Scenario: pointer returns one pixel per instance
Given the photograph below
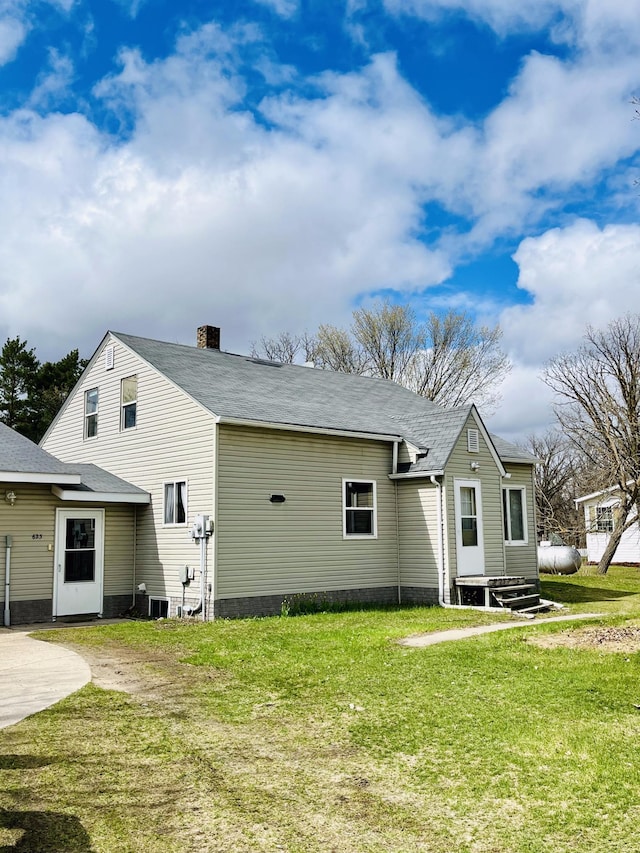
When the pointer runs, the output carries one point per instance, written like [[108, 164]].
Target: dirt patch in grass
[[624, 639]]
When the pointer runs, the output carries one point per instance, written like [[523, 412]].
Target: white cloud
[[594, 25], [283, 8], [578, 275], [53, 84], [13, 32], [526, 406], [206, 214]]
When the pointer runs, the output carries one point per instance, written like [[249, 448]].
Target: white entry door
[[469, 541], [79, 562]]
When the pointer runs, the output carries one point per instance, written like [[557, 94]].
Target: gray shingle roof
[[21, 456], [512, 452], [439, 434], [237, 386], [96, 479]]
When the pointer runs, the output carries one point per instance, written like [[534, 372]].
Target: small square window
[[91, 413], [359, 518], [128, 402], [175, 502]]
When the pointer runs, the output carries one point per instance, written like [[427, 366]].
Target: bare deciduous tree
[[560, 474], [446, 359], [599, 409], [458, 362], [285, 348]]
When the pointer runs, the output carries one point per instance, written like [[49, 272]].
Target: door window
[[468, 516], [80, 550]]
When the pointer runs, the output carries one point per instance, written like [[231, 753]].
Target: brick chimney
[[208, 337]]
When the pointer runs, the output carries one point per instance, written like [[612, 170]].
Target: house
[[599, 509], [350, 487], [66, 535]]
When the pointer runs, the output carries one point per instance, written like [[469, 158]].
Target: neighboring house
[[599, 509], [350, 487], [66, 535]]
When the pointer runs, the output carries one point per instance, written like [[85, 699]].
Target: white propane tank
[[558, 559]]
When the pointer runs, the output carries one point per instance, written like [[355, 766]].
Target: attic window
[[473, 441], [109, 357]]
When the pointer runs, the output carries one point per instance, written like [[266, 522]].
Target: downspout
[[394, 470], [214, 535], [7, 581], [441, 566], [135, 552]]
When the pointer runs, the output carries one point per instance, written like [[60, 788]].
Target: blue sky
[[268, 164]]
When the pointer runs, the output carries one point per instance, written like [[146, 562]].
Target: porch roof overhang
[[86, 495], [414, 475], [40, 478], [99, 486]]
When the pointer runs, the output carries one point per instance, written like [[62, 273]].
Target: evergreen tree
[[18, 369]]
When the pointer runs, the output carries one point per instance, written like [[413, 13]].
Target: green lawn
[[320, 733]]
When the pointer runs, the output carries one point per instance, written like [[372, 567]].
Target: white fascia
[[100, 497], [47, 479]]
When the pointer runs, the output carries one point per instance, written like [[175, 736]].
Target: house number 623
[[36, 535]]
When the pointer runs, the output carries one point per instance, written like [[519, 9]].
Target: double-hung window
[[175, 502], [515, 515], [359, 508], [128, 402], [91, 413], [604, 519]]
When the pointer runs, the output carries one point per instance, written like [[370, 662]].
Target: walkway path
[[461, 633], [35, 675]]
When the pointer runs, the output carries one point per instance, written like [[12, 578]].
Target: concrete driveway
[[35, 675]]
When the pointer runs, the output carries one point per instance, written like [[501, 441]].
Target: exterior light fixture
[[10, 497], [474, 466]]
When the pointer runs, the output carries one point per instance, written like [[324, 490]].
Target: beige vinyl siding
[[31, 524], [488, 474], [172, 441], [31, 560], [418, 533], [298, 546], [523, 559], [119, 539]]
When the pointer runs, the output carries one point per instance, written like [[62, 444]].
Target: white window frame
[[604, 520], [88, 414], [373, 509], [160, 598], [124, 405], [506, 509], [175, 483]]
